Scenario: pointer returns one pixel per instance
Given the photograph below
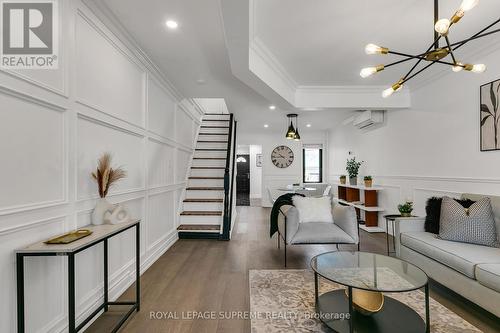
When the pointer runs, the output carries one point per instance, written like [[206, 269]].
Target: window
[[312, 164]]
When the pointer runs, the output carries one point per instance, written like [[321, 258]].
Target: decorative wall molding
[[43, 219]]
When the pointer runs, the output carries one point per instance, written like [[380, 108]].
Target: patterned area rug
[[283, 301]]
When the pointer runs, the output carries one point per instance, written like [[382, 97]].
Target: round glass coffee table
[[374, 273]]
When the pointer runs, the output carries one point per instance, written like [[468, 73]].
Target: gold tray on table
[[69, 237]]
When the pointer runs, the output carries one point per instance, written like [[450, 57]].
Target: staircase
[[207, 206]]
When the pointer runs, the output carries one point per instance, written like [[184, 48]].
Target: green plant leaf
[[485, 108], [493, 98], [483, 121], [498, 88]]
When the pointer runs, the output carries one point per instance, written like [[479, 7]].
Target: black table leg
[[71, 294], [351, 319], [387, 234], [427, 310], [20, 292], [138, 266], [106, 291], [316, 296]]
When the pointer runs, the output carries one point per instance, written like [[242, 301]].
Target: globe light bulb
[[478, 68], [388, 92], [458, 68], [442, 26], [468, 5], [368, 71], [375, 49]]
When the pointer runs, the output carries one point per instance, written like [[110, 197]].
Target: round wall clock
[[282, 157]]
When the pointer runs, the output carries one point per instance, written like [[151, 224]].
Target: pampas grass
[[105, 175]]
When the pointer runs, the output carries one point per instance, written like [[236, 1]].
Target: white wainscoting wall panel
[[106, 96]]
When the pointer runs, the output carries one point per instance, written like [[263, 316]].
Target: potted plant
[[343, 179], [352, 168], [368, 181], [406, 209]]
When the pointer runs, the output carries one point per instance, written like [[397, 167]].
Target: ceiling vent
[[367, 119]]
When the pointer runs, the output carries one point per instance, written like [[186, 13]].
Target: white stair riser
[[215, 123], [195, 194], [209, 163], [203, 206], [207, 172], [210, 153], [206, 182], [218, 117], [214, 130], [213, 137], [211, 145], [189, 219]]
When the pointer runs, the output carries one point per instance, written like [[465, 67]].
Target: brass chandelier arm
[[420, 60], [416, 57]]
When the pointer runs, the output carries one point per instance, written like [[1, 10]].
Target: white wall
[[430, 149], [106, 96], [272, 176], [255, 173]]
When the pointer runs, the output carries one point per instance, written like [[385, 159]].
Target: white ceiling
[[317, 42], [321, 42]]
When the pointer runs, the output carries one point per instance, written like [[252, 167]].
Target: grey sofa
[[472, 271], [343, 230]]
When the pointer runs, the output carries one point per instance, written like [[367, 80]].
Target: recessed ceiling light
[[308, 125], [272, 107], [201, 81], [266, 125], [172, 24]]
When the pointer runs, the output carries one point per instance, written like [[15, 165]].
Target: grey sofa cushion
[[320, 232], [489, 275], [495, 205], [475, 224], [461, 257]]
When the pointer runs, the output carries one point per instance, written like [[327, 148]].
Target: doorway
[[243, 180]]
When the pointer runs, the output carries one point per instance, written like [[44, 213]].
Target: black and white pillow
[[475, 224]]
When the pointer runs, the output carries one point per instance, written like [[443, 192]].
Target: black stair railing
[[229, 180]]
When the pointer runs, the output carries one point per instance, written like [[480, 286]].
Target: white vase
[[101, 207]]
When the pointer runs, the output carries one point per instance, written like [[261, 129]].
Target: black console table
[[100, 233]]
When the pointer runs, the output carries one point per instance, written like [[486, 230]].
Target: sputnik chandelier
[[435, 53]]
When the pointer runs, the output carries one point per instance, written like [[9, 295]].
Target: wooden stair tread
[[204, 200], [201, 213], [215, 119], [209, 158], [216, 114], [205, 126], [204, 188], [208, 141], [206, 177], [208, 149], [208, 168], [214, 134], [201, 227]]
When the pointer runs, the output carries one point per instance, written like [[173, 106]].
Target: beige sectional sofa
[[472, 271]]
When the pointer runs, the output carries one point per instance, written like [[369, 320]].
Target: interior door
[[243, 175]]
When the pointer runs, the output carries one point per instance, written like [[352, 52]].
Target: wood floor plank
[[211, 275]]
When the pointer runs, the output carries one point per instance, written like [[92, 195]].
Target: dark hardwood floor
[[210, 275]]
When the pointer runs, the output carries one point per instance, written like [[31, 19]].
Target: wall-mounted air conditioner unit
[[367, 119]]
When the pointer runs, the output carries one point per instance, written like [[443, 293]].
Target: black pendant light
[[293, 132], [297, 135], [290, 133]]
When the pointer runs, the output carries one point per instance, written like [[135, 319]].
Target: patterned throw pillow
[[475, 224]]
